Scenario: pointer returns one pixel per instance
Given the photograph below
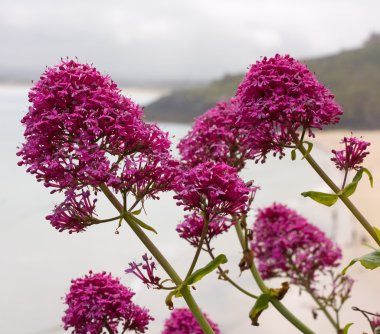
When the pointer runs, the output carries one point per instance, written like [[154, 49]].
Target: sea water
[[37, 262]]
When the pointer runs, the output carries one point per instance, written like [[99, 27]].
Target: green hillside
[[353, 76]]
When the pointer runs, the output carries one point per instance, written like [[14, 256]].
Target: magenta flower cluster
[[182, 321], [145, 272], [216, 137], [280, 98], [191, 228], [75, 213], [212, 189], [353, 154], [375, 323], [82, 132], [98, 301], [285, 244]]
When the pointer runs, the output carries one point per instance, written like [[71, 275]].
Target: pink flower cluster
[[214, 189], [375, 323], [191, 228], [285, 244], [82, 132], [216, 137], [98, 301], [353, 154], [148, 266], [182, 321], [75, 213], [279, 97]]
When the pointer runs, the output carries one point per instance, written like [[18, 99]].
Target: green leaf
[[322, 198], [369, 261], [377, 231], [140, 223], [345, 329], [365, 170], [169, 301], [293, 154], [210, 267], [309, 148], [280, 292], [261, 304], [351, 188], [136, 212]]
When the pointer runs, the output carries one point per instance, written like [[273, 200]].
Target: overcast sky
[[153, 40]]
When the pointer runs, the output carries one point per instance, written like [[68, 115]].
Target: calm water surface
[[37, 262]]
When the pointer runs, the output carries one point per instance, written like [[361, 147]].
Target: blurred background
[[177, 59]]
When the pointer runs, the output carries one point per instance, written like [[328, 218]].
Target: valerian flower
[[375, 324], [216, 137], [98, 301], [75, 213], [182, 321], [213, 189], [80, 131], [145, 272], [353, 154], [286, 245], [191, 228], [280, 98]]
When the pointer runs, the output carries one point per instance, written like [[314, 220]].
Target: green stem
[[362, 220], [310, 291], [323, 309], [100, 221], [200, 244], [275, 302], [161, 260], [226, 277]]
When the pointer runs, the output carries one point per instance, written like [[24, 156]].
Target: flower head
[[216, 137], [279, 98], [99, 300], [215, 189], [191, 228], [80, 131], [149, 266], [75, 213], [353, 154], [182, 321], [285, 244]]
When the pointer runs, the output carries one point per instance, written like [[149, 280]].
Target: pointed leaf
[[261, 304], [210, 267], [365, 170], [169, 301], [351, 188], [140, 223], [136, 212], [345, 329], [293, 154], [322, 198], [369, 261], [309, 148]]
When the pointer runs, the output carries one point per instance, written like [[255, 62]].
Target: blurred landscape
[[353, 76]]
